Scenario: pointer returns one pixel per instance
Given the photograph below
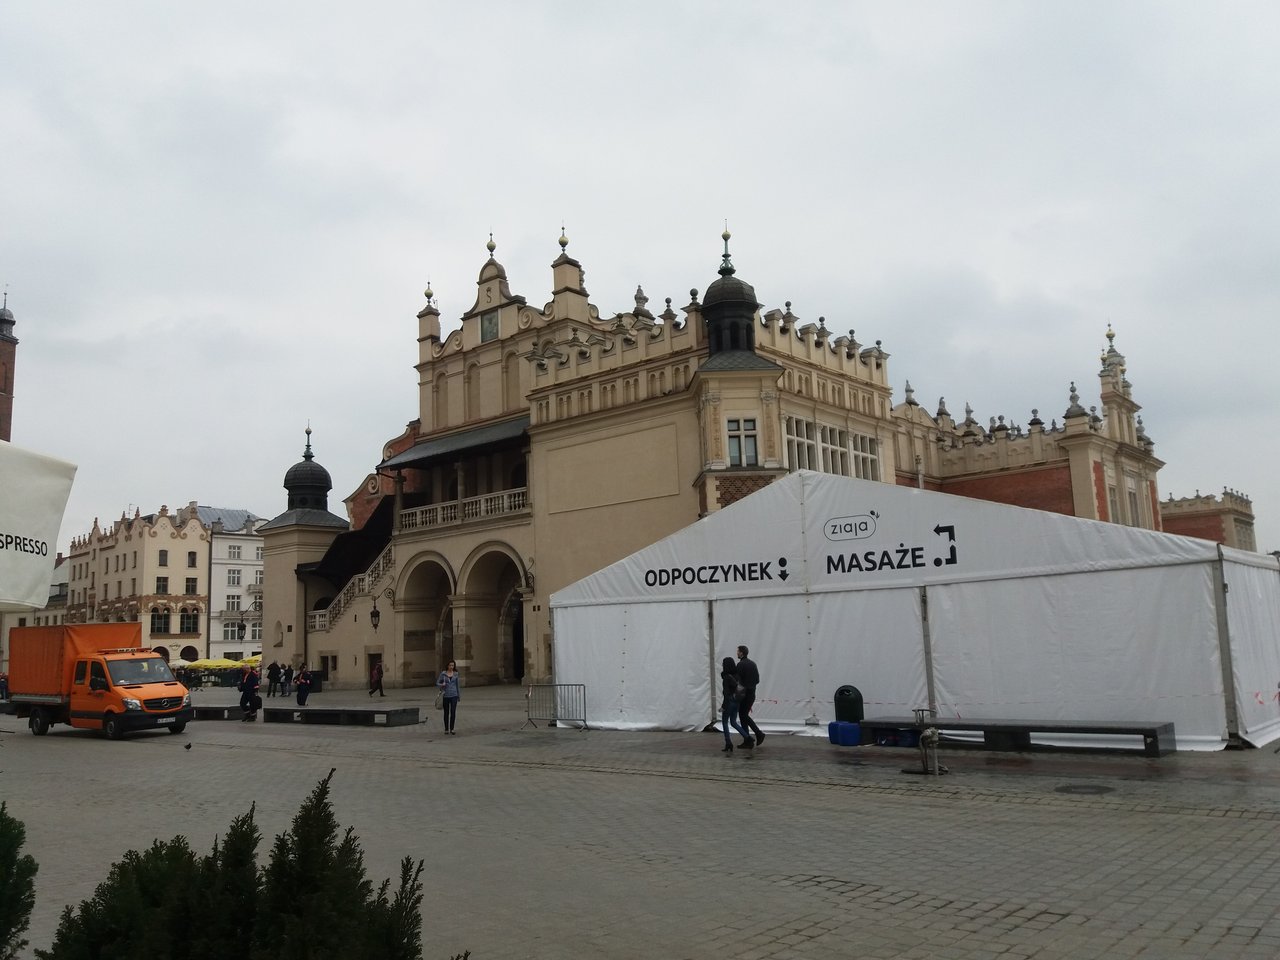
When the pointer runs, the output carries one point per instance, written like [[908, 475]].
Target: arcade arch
[[488, 615]]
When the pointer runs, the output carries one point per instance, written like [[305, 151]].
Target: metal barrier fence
[[555, 703]]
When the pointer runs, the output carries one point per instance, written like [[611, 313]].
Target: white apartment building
[[235, 587]]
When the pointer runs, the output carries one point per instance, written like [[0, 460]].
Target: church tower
[[8, 356]]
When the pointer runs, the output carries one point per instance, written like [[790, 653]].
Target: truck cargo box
[[41, 658]]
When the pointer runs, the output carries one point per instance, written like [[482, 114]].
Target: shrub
[[17, 885], [313, 900]]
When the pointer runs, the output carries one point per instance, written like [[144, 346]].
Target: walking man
[[375, 679], [273, 679], [749, 677], [249, 699]]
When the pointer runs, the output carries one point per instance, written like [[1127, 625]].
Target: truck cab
[[125, 690]]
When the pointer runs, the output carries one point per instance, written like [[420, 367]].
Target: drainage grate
[[1084, 789]]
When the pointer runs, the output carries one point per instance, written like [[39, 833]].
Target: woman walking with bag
[[448, 684], [729, 706]]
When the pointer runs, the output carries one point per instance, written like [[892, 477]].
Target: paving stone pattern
[[556, 843]]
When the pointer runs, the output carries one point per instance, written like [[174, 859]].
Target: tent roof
[[814, 532]]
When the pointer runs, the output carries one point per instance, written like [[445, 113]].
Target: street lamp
[[375, 615]]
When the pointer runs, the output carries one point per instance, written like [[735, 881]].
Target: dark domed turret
[[6, 319], [308, 483], [729, 307]]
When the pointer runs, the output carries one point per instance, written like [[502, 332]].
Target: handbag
[[439, 699]]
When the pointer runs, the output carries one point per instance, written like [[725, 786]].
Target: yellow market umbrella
[[218, 663], [254, 661]]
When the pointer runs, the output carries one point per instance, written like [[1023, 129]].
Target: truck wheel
[[178, 727], [39, 722], [111, 727]]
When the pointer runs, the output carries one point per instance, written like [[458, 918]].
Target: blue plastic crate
[[850, 734]]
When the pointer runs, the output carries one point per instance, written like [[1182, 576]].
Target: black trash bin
[[849, 704]]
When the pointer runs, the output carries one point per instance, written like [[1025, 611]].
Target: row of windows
[[810, 446], [191, 588], [117, 562], [188, 620], [231, 631], [234, 574], [828, 449]]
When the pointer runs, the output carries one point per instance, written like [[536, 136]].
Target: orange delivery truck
[[96, 676]]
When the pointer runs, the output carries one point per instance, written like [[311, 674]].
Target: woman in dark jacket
[[303, 684], [729, 706]]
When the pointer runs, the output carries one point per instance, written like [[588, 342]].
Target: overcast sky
[[219, 220]]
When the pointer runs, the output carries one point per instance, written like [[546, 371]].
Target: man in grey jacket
[[749, 677]]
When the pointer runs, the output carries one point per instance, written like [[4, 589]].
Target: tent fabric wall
[[806, 648], [1035, 649], [645, 665], [1253, 613], [1030, 614], [871, 640]]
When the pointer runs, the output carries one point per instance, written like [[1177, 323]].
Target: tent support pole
[[711, 667], [928, 650], [1224, 648]]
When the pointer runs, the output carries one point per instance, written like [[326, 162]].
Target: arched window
[[188, 620]]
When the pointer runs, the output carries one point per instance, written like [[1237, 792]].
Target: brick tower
[[8, 356]]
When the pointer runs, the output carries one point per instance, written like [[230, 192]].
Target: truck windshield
[[150, 670]]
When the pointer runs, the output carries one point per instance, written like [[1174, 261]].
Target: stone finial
[[491, 246], [1035, 420], [1075, 410], [942, 408], [564, 241], [911, 395]]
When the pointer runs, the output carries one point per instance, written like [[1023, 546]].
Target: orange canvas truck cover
[[41, 658]]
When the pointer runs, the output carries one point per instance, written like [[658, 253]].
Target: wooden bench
[[1157, 738], [346, 716]]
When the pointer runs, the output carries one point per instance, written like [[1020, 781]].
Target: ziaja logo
[[851, 528]]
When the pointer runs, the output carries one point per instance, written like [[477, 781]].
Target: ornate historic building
[[1098, 464], [551, 441], [157, 569]]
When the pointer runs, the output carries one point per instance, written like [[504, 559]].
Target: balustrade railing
[[503, 503]]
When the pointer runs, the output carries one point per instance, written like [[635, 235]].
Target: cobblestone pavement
[[554, 843]]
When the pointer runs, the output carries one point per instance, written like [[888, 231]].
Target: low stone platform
[[347, 716], [218, 713]]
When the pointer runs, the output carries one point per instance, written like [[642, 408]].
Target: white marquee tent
[[920, 598]]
